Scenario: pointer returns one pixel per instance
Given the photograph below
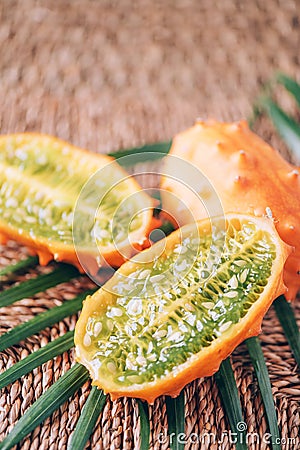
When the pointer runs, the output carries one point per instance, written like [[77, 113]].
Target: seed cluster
[[156, 324]]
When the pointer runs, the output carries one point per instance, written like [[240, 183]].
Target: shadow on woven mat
[[107, 75]]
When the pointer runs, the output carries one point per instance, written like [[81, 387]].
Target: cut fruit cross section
[[179, 308], [41, 178]]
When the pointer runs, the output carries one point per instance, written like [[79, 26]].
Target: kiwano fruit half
[[175, 311], [41, 179]]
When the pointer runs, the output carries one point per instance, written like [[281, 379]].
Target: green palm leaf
[[88, 418], [44, 406], [288, 322], [147, 152], [260, 367], [35, 359], [39, 284], [231, 402], [144, 424], [176, 421], [287, 127], [20, 265], [43, 320], [291, 86]]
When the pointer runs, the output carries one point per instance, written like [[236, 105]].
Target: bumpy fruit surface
[[248, 175], [41, 178]]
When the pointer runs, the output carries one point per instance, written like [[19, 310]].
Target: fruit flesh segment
[[40, 180], [146, 325]]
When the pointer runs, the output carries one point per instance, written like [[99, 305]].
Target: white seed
[[160, 334], [87, 340], [208, 305], [180, 249], [134, 378], [11, 203], [158, 290], [233, 282], [130, 365], [116, 312], [60, 203], [182, 266], [240, 263], [39, 196], [269, 212], [199, 325], [156, 278], [30, 219], [111, 367], [144, 274], [175, 336], [190, 319], [97, 328], [225, 326], [230, 294], [141, 361], [150, 347], [103, 234], [243, 276], [134, 307], [42, 159]]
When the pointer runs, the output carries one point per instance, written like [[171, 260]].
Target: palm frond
[[35, 359], [290, 85], [20, 265], [43, 320], [39, 284], [147, 152], [287, 127], [261, 371], [176, 421], [288, 322], [144, 424], [231, 403], [88, 418]]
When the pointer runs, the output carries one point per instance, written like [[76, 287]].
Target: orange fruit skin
[[249, 177], [207, 361], [47, 250]]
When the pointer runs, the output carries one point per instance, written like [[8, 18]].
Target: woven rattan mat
[[106, 75]]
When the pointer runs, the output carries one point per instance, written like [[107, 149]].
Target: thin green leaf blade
[[176, 421], [259, 364], [291, 86], [35, 359], [231, 402], [43, 320], [147, 152], [20, 265], [39, 284], [288, 322], [286, 126], [45, 405], [88, 418], [144, 424]]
